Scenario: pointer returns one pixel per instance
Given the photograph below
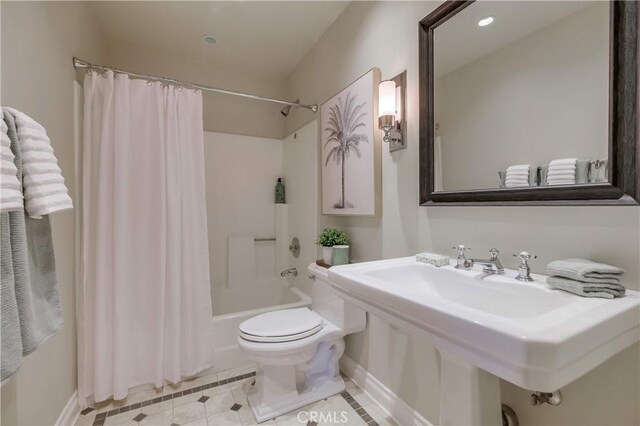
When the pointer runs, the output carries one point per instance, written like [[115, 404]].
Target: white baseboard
[[70, 413], [395, 407]]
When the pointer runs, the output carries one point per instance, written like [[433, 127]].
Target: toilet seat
[[281, 326]]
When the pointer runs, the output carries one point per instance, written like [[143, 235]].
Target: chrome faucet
[[491, 266], [289, 272]]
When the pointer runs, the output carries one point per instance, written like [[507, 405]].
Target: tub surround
[[240, 172]]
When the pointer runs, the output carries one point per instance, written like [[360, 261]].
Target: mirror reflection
[[521, 95]]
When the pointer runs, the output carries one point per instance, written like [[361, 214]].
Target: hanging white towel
[[44, 188], [10, 188]]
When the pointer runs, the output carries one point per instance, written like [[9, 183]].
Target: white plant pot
[[327, 255]]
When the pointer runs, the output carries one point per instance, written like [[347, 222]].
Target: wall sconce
[[391, 107]]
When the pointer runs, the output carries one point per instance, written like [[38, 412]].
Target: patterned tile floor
[[220, 399]]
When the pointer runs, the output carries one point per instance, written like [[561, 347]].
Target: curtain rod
[[80, 64]]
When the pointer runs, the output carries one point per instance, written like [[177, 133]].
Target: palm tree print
[[345, 119]]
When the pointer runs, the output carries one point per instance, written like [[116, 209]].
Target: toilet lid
[[281, 326]]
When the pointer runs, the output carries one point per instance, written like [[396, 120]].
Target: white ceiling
[[460, 41], [259, 36]]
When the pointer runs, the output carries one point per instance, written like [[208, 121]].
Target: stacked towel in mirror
[[517, 176], [562, 172], [586, 278]]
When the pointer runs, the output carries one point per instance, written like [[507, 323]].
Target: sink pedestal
[[468, 394]]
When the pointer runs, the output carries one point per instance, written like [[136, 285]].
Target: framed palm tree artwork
[[349, 149]]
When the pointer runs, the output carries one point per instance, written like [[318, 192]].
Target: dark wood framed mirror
[[619, 131]]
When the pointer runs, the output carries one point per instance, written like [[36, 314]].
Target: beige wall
[[38, 41], [385, 35], [222, 113], [542, 97]]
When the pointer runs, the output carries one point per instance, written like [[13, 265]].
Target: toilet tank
[[326, 303]]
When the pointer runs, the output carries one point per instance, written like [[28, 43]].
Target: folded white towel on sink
[[581, 288], [586, 271]]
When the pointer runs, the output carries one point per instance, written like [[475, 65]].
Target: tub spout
[[289, 272]]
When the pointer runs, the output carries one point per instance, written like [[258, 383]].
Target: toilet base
[[292, 401]]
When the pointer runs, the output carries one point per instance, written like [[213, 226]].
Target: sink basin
[[526, 333]]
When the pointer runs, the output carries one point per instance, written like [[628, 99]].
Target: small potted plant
[[327, 239]]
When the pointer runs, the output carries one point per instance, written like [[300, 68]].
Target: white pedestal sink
[[490, 327]]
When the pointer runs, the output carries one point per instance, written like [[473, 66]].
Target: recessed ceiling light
[[485, 21], [209, 39]]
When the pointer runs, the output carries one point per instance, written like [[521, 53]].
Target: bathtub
[[232, 306]]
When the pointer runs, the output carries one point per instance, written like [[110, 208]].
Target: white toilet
[[297, 350]]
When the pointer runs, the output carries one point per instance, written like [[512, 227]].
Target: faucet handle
[[461, 250], [525, 256], [524, 270], [494, 253], [462, 262]]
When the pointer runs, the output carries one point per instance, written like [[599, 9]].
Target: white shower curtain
[[145, 302]]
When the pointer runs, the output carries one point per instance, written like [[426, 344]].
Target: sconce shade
[[399, 102], [387, 98]]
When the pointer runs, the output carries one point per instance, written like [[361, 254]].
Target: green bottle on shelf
[[280, 192]]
